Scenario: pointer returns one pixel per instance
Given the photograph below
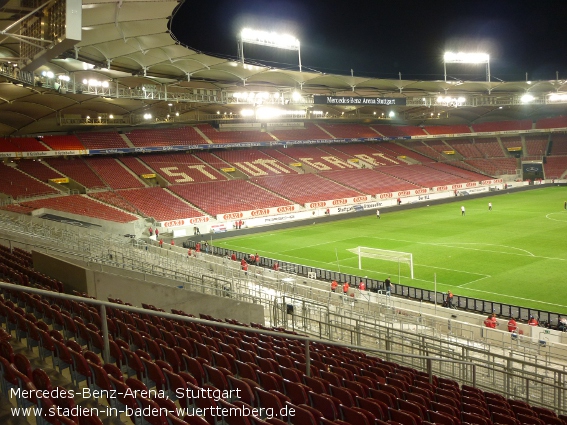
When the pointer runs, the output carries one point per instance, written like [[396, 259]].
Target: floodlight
[[247, 112], [64, 77], [451, 101], [273, 39], [461, 57], [527, 98], [147, 116], [556, 97], [470, 58], [392, 114], [270, 39], [296, 96], [111, 116]]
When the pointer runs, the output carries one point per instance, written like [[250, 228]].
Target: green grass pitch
[[516, 253]]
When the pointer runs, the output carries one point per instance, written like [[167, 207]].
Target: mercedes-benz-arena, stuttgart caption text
[[107, 411]]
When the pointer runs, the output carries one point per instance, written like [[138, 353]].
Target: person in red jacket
[[512, 325], [334, 285], [245, 267], [276, 266], [532, 321], [160, 242], [490, 321], [362, 286], [198, 247], [345, 288], [233, 257]]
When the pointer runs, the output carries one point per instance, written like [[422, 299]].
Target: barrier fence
[[475, 305]]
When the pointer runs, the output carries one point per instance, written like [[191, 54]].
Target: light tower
[[470, 58], [270, 39]]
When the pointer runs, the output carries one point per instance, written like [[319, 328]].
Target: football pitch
[[515, 254]]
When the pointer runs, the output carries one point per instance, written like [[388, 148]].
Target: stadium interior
[[110, 127]]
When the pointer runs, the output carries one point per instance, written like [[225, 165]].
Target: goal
[[385, 255]]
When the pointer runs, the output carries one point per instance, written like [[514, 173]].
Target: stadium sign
[[261, 212], [357, 100]]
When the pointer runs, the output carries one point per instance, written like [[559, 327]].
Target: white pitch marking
[[518, 298], [448, 244], [554, 219]]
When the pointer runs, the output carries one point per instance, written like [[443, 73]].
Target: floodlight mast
[[472, 58], [270, 39]]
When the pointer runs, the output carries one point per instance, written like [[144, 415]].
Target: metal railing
[[515, 378]]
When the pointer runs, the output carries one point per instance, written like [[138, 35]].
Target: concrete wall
[[105, 281], [72, 276]]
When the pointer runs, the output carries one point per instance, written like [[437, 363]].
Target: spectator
[[362, 286], [334, 285], [233, 256], [198, 247], [157, 232], [276, 266], [160, 242], [562, 324], [151, 231], [257, 259], [533, 321], [172, 243], [189, 252], [207, 247], [345, 288], [490, 321], [388, 286], [449, 299], [245, 267], [512, 325]]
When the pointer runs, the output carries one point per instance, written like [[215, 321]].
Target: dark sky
[[381, 38]]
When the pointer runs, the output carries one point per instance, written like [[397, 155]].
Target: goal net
[[385, 255]]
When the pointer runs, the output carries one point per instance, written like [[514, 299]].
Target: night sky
[[381, 38]]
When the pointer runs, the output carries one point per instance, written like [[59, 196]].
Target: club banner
[[356, 100]]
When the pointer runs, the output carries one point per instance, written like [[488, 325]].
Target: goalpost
[[384, 254]]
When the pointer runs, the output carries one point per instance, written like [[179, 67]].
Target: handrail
[[104, 304]]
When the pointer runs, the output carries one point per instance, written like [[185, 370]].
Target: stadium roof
[[128, 45]]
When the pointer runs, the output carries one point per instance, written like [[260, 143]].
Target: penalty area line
[[517, 298]]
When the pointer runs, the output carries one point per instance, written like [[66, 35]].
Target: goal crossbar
[[383, 254]]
